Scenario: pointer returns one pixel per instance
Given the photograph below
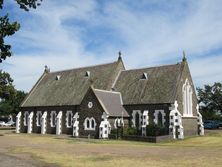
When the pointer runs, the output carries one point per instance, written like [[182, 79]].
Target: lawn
[[70, 152]]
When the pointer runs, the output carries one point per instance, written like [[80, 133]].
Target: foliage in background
[[11, 105], [210, 101], [130, 131], [10, 98], [8, 28], [6, 87]]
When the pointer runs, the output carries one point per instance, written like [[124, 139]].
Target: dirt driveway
[[12, 161]]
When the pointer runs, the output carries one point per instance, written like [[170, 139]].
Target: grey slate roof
[[159, 87], [111, 102], [71, 86]]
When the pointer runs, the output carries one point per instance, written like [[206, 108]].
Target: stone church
[[91, 101]]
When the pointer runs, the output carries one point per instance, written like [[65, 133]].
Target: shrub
[[156, 130], [130, 131]]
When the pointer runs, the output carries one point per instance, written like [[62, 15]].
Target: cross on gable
[[104, 116], [175, 105], [76, 116]]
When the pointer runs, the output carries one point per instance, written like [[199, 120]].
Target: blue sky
[[68, 34]]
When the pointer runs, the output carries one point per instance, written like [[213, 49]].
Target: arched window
[[187, 99], [87, 124], [90, 124], [118, 123], [38, 118], [69, 118], [160, 119], [53, 118], [137, 120], [26, 115]]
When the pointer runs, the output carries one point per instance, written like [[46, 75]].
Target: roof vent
[[87, 74], [144, 76], [58, 77]]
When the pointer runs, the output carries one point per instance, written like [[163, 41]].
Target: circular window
[[90, 104]]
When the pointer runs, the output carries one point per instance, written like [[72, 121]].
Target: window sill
[[188, 116], [90, 129]]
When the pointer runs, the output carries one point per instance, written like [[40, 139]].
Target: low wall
[[7, 128], [153, 139]]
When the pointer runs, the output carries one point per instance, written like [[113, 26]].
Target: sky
[[68, 34]]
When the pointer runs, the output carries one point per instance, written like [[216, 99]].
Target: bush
[[156, 130], [116, 133], [113, 131], [130, 131]]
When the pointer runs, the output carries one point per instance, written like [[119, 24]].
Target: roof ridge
[[152, 67], [100, 101], [107, 91], [77, 68]]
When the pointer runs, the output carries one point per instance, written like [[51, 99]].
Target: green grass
[[71, 152]]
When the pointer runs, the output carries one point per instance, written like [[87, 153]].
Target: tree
[[10, 98], [8, 29], [12, 104], [6, 87], [210, 100]]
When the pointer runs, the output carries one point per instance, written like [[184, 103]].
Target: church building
[[92, 101]]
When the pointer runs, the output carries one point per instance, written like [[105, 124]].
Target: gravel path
[[18, 160], [12, 161]]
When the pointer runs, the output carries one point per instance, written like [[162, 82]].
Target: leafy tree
[[8, 28], [6, 87], [10, 98], [210, 99], [12, 104]]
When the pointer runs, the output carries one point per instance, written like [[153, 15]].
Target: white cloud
[[206, 70], [150, 36]]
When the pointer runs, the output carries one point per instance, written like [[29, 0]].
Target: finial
[[120, 54], [184, 56], [47, 69]]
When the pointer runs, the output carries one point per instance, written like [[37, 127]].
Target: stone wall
[[85, 111], [151, 108], [112, 121], [153, 139], [190, 126], [49, 129]]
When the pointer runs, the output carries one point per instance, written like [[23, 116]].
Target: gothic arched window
[[90, 124], [26, 115], [160, 119], [69, 118], [53, 118], [187, 99], [38, 118]]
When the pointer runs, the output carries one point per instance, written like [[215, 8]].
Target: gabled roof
[[111, 102], [72, 85], [159, 87]]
